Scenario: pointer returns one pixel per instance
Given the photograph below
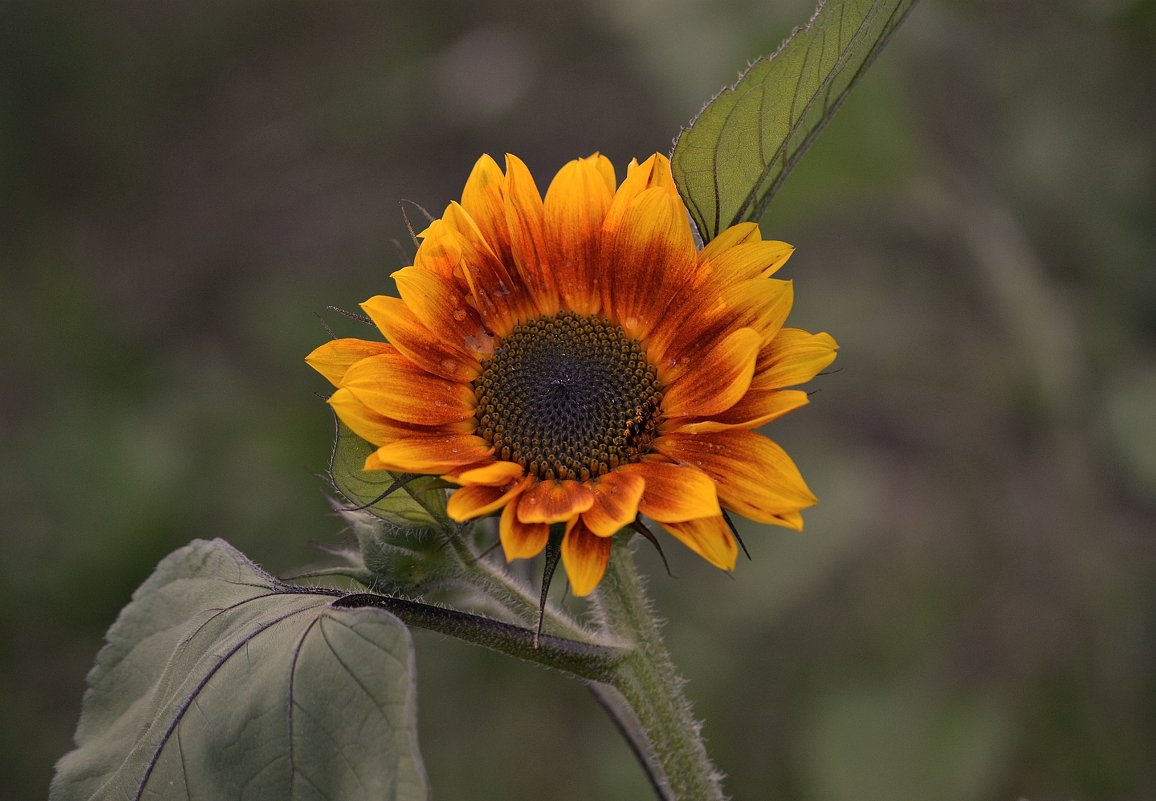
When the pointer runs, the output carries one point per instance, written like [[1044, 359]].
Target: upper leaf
[[734, 156], [218, 681], [414, 504]]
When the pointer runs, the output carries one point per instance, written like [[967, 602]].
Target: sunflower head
[[576, 360]]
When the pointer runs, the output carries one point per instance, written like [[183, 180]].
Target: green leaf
[[218, 681], [735, 155], [416, 504]]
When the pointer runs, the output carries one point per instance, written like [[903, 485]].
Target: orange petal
[[439, 305], [377, 428], [493, 474], [585, 556], [616, 497], [718, 378], [794, 357], [554, 501], [675, 492], [336, 356], [438, 453], [647, 255], [524, 216], [758, 407], [428, 351], [468, 503], [391, 385], [575, 207], [521, 540], [755, 477], [709, 537]]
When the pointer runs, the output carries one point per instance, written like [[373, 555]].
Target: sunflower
[[577, 360]]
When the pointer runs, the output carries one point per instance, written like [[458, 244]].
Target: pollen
[[568, 397]]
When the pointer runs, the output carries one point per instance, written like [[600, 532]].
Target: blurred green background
[[971, 613]]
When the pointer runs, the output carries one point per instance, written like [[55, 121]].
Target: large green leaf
[[218, 681], [414, 504], [734, 156]]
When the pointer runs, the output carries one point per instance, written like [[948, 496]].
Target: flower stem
[[648, 681]]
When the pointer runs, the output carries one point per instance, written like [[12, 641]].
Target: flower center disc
[[568, 396]]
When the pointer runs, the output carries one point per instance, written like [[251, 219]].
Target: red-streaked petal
[[709, 537], [647, 255], [616, 497], [521, 540], [758, 407], [755, 477], [524, 216], [675, 492], [793, 358], [585, 556], [493, 474], [437, 453], [439, 305], [575, 206], [468, 503], [717, 378], [391, 385], [498, 293], [336, 356], [554, 501], [428, 351]]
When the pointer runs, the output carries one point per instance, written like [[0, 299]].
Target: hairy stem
[[649, 683]]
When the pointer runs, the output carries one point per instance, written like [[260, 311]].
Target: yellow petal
[[794, 357], [757, 259], [675, 492], [755, 477], [484, 201], [758, 407], [336, 356], [709, 537]]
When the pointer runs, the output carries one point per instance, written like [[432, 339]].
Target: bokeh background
[[971, 614]]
